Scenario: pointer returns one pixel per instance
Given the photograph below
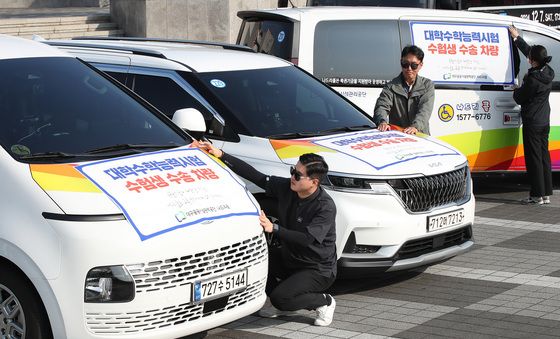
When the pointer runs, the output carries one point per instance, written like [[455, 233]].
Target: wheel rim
[[12, 319]]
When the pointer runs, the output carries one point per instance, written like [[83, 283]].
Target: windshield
[[60, 106], [273, 101]]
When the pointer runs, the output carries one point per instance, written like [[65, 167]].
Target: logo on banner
[[446, 112], [486, 105]]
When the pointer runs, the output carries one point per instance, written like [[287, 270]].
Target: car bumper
[[415, 253], [164, 270]]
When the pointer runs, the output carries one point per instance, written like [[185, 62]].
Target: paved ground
[[508, 286]]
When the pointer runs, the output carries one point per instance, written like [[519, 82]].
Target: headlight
[[359, 185], [347, 182], [108, 284]]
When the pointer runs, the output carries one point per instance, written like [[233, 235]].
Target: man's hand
[[410, 130], [208, 147], [383, 126], [265, 222], [513, 32]]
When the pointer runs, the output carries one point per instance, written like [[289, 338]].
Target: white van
[[402, 201], [468, 55], [111, 225]]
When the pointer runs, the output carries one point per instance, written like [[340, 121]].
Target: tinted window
[[356, 53], [61, 105], [165, 94], [120, 77], [270, 37], [552, 47], [391, 3], [281, 100]]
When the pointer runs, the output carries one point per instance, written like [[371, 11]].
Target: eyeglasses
[[406, 64], [296, 174]]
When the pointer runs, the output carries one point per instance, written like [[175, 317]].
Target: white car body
[[374, 219], [57, 226], [356, 50]]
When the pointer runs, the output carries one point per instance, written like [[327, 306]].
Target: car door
[[534, 35], [473, 70], [167, 91]]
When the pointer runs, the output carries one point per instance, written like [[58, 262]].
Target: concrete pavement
[[508, 286]]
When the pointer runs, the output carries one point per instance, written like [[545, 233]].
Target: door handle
[[506, 104]]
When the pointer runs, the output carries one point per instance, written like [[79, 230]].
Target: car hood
[[373, 153], [156, 192]]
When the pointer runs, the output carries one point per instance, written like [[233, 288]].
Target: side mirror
[[190, 119]]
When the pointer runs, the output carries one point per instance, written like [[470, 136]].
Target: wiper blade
[[293, 135], [346, 129], [122, 147], [49, 155]]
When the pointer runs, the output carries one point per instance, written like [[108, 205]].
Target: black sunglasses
[[406, 64], [296, 174]]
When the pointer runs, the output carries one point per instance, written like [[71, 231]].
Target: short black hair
[[413, 49], [539, 54], [315, 165]]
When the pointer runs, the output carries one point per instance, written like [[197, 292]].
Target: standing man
[[407, 101], [305, 264]]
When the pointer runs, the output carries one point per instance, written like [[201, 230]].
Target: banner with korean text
[[384, 149], [464, 53], [162, 191]]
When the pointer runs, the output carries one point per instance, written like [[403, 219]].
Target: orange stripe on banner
[[279, 144], [67, 170]]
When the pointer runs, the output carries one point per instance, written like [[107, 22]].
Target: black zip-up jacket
[[307, 230], [534, 92]]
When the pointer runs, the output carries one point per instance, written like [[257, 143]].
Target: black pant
[[292, 290], [537, 159]]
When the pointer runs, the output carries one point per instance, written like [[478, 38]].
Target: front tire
[[22, 314]]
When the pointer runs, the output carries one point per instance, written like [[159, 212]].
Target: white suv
[[402, 201]]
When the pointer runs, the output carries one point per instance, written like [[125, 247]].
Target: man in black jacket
[[533, 96], [305, 264]]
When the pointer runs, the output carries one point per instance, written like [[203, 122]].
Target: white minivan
[[468, 55], [111, 225], [402, 201]]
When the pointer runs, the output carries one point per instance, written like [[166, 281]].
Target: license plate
[[444, 220], [216, 287]]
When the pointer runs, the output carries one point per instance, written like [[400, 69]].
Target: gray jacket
[[395, 106]]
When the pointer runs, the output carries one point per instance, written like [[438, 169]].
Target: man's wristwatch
[[275, 228]]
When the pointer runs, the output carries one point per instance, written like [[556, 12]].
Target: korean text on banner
[[464, 53], [384, 149], [162, 191]]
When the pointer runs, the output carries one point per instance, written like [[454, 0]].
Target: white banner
[[384, 149], [464, 53], [162, 191]]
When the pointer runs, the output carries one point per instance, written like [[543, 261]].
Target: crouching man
[[304, 266]]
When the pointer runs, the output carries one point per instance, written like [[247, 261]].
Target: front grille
[[172, 272], [415, 248], [149, 320], [424, 193]]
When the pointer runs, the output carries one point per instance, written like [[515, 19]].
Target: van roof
[[195, 56], [369, 12], [16, 48]]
